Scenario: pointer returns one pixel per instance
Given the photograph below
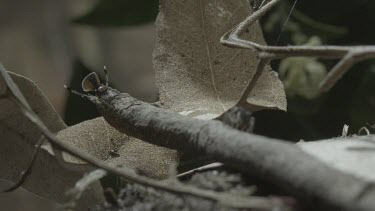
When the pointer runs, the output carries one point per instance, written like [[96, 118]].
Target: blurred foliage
[[351, 101], [357, 16], [302, 75], [341, 22], [300, 26], [117, 13]]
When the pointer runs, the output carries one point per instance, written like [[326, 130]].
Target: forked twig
[[349, 55]]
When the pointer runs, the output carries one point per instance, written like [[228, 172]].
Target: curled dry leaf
[[37, 101], [99, 139], [194, 72], [18, 137], [354, 155]]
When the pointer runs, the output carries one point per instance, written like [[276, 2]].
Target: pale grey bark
[[278, 162]]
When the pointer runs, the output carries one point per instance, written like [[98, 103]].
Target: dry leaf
[[354, 155], [99, 139], [37, 101], [198, 75], [18, 137]]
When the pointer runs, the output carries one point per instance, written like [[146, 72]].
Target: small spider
[[114, 153], [91, 83]]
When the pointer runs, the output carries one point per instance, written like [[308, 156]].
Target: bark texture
[[279, 162]]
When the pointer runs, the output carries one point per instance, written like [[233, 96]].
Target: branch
[[233, 39], [252, 202], [279, 162]]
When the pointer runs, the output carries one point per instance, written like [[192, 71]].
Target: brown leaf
[[198, 75], [37, 101], [18, 137], [99, 139]]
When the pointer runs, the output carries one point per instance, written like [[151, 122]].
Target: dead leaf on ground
[[101, 140], [18, 137], [354, 155], [197, 75]]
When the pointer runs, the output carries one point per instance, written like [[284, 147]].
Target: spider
[[91, 83]]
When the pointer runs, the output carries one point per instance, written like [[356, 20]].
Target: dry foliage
[[196, 74]]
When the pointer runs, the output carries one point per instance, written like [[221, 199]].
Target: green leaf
[[116, 13]]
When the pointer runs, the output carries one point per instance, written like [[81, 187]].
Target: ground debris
[[136, 197]]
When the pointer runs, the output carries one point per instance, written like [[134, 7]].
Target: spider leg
[[89, 97], [86, 96]]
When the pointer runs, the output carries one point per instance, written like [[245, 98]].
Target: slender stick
[[27, 172], [207, 167], [262, 62]]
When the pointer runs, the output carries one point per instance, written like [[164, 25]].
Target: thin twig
[[208, 167], [27, 172], [262, 62]]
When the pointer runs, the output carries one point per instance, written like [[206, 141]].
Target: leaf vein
[[209, 56]]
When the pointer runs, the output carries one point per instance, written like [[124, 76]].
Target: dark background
[[352, 100]]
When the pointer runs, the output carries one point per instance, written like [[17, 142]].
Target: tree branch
[[252, 202], [279, 162]]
